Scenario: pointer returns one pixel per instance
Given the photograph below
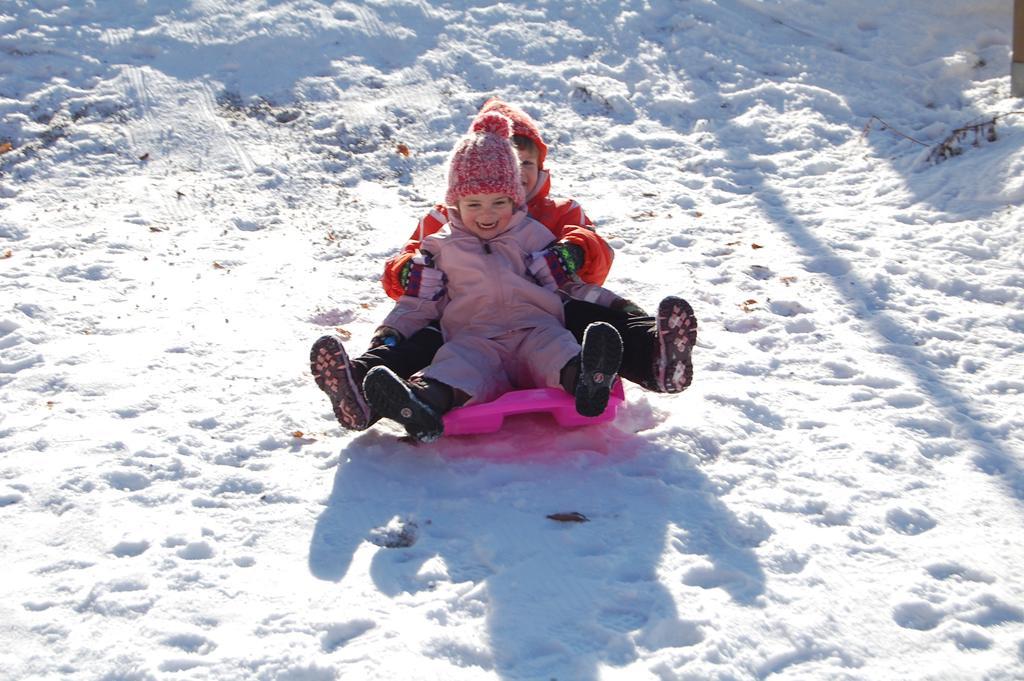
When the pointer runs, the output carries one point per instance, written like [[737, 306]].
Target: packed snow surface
[[192, 193]]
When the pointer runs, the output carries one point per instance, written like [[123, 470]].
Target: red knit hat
[[522, 124], [484, 162]]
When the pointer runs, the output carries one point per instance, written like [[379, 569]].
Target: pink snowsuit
[[502, 330]]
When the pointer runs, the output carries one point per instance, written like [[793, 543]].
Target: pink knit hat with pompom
[[485, 162]]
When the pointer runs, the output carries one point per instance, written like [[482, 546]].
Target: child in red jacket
[[657, 350]]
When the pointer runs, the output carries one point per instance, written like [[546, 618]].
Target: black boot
[[418, 405], [596, 368]]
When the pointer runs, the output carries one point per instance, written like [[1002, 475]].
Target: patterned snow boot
[[599, 361], [336, 376], [677, 334]]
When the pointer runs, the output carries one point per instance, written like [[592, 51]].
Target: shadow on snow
[[556, 599]]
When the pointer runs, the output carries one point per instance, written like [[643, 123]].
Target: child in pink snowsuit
[[502, 329]]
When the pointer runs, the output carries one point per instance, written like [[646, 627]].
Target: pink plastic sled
[[489, 417]]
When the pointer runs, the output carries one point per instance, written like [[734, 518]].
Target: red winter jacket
[[563, 217]]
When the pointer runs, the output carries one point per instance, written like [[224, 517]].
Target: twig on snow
[[951, 146], [886, 126]]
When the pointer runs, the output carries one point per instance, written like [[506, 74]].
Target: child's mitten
[[422, 280], [556, 265]]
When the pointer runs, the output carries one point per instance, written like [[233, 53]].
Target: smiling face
[[486, 215], [529, 169]]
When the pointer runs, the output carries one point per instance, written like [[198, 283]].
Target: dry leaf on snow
[[573, 517]]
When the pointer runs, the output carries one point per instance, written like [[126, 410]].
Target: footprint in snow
[[189, 550], [127, 481], [910, 522], [919, 615], [983, 609], [337, 636], [955, 571], [124, 597], [904, 400], [196, 550], [988, 610], [971, 639], [130, 548], [190, 643]]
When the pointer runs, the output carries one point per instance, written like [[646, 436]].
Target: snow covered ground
[[191, 193]]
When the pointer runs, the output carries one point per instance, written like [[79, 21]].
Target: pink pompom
[[484, 162], [494, 123]]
